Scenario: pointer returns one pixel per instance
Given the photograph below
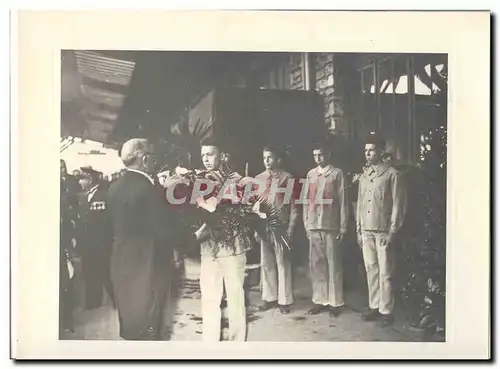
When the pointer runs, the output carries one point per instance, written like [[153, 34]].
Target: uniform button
[[368, 211], [369, 200]]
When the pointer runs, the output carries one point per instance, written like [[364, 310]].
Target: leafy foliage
[[424, 286]]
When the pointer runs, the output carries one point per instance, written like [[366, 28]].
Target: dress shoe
[[285, 309], [386, 320], [371, 315], [335, 311], [317, 309], [268, 305], [151, 334]]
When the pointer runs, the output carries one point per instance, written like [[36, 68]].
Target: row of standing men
[[146, 233]]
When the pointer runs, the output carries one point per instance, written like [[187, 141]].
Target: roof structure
[[94, 88]]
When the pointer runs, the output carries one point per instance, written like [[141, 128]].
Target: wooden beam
[[114, 68], [394, 85], [99, 75], [123, 55], [100, 93], [109, 62], [102, 114], [89, 55], [102, 85], [111, 80], [378, 122], [114, 74], [111, 104], [101, 104], [413, 155]]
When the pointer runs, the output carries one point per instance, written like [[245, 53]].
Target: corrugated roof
[[101, 68], [102, 83]]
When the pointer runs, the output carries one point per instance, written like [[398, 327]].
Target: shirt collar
[[274, 173], [378, 169], [324, 171], [150, 179]]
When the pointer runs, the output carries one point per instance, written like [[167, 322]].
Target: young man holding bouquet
[[276, 267], [325, 214], [223, 261]]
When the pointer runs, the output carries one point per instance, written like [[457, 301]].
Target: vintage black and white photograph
[[240, 185], [253, 196]]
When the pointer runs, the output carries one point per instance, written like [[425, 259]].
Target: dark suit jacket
[[137, 210], [144, 231]]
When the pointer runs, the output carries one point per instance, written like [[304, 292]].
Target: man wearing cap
[[380, 214], [222, 265], [95, 238]]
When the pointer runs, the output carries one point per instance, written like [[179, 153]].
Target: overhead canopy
[[111, 96], [243, 121], [94, 85], [166, 84]]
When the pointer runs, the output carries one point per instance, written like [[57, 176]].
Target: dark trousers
[[96, 273], [140, 276]]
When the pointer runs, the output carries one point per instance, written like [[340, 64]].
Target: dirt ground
[[184, 316]]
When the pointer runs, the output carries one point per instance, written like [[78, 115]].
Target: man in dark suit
[[144, 232]]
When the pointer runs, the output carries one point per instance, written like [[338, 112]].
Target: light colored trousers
[[228, 271], [379, 265], [325, 260], [276, 274]]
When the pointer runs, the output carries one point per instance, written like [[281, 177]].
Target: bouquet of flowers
[[239, 217]]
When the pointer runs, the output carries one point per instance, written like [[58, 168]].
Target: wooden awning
[[94, 85]]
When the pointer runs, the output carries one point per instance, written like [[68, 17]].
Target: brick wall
[[295, 72], [324, 81], [323, 73], [327, 85]]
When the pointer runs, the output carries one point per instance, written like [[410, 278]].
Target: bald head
[[137, 154]]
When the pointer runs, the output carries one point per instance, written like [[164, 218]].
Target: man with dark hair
[[380, 214], [326, 214], [222, 264], [276, 267]]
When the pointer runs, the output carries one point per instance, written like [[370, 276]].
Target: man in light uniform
[[276, 267], [326, 213], [224, 267], [380, 214]]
